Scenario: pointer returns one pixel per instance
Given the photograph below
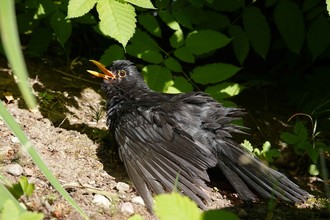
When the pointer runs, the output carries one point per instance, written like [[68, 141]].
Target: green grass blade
[[5, 195], [27, 146], [11, 45]]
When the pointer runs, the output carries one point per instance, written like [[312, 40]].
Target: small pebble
[[28, 171], [14, 139], [138, 200], [101, 200], [122, 187], [14, 169], [127, 208]]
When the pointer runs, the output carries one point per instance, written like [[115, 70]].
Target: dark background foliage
[[220, 47]]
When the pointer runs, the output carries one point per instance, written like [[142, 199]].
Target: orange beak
[[106, 73]]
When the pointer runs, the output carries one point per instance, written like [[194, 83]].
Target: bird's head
[[122, 75]]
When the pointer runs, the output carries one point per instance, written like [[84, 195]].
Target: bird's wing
[[155, 152], [240, 167]]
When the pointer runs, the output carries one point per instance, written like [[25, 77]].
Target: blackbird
[[168, 140]]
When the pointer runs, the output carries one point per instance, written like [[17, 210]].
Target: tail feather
[[244, 172]]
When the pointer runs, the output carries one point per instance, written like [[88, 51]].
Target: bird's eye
[[121, 73]]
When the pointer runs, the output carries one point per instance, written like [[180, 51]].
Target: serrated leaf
[[203, 41], [150, 23], [62, 27], [175, 207], [117, 20], [184, 54], [240, 43], [318, 36], [257, 29], [180, 84], [289, 21], [173, 64], [213, 73], [111, 54], [77, 8], [247, 145], [142, 3], [157, 77], [177, 39]]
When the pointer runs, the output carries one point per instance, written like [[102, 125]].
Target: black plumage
[[165, 136]]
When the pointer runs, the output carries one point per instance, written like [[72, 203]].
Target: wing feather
[[154, 155]]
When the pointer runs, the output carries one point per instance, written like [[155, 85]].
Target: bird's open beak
[[106, 73]]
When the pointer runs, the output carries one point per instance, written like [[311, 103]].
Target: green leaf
[[187, 15], [150, 23], [173, 64], [313, 170], [313, 154], [174, 206], [203, 41], [177, 39], [27, 187], [184, 54], [309, 4], [240, 42], [62, 27], [9, 211], [117, 20], [247, 145], [180, 84], [328, 6], [152, 57], [157, 77], [223, 90], [218, 214], [300, 130], [144, 41], [213, 73], [144, 47], [111, 54], [227, 5], [257, 30], [169, 20], [86, 19], [289, 138], [77, 8], [39, 41], [318, 36], [290, 22], [142, 3]]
